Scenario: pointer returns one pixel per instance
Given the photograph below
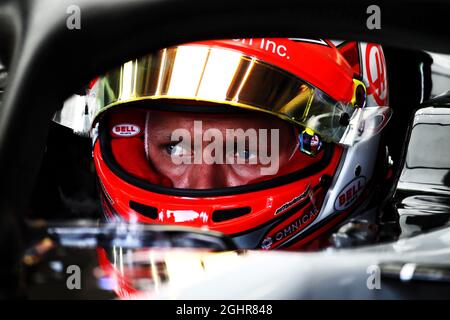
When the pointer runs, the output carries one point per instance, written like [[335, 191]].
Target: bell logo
[[350, 193], [126, 130]]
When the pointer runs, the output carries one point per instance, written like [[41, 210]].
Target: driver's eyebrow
[[163, 134]]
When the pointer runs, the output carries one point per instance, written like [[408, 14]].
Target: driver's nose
[[205, 176]]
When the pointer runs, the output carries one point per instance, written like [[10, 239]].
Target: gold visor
[[226, 77]]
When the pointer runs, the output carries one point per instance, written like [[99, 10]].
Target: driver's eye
[[246, 154], [176, 149]]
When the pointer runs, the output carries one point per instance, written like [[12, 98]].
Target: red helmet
[[323, 99]]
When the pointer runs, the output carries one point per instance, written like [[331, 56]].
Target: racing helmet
[[323, 101]]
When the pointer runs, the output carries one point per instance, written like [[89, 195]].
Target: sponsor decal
[[350, 193], [126, 130], [376, 73], [274, 46], [295, 200], [268, 45], [293, 228]]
